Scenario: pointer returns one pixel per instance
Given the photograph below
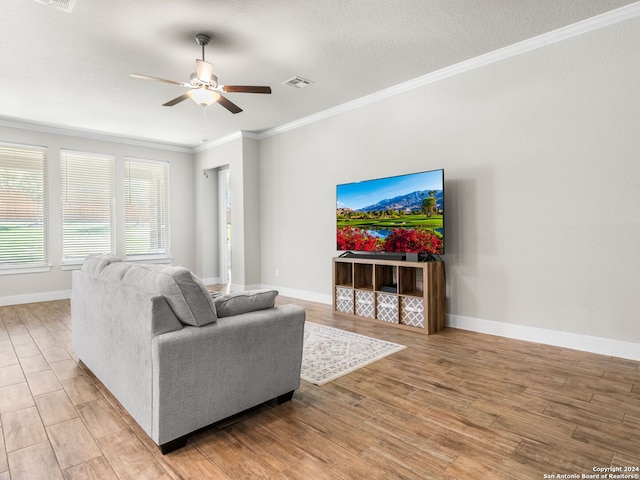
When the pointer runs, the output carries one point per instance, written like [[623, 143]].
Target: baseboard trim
[[211, 281], [301, 294], [238, 287], [34, 298], [574, 341], [284, 291]]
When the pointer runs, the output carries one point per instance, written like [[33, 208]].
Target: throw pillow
[[242, 302], [185, 293]]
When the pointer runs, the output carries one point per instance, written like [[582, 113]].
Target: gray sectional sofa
[[176, 359]]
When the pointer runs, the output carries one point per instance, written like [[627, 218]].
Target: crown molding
[[41, 128], [591, 24], [206, 145], [585, 26]]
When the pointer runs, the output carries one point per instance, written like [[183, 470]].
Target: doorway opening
[[224, 214]]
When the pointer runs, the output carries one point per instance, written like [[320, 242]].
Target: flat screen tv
[[401, 214]]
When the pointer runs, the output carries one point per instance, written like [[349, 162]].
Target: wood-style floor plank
[[452, 405], [5, 344], [35, 462], [616, 438], [8, 357], [15, 397], [10, 375], [571, 456], [80, 389], [22, 428], [95, 469], [43, 382], [128, 457], [55, 407], [27, 350], [189, 462], [235, 459], [4, 465], [72, 443], [34, 363], [400, 459], [100, 418]]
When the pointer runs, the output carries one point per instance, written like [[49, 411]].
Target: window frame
[[162, 215]]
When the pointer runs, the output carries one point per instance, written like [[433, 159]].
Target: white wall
[[542, 183], [57, 283], [207, 240], [240, 154], [250, 215]]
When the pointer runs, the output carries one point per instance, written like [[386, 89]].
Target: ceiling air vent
[[297, 82], [66, 5]]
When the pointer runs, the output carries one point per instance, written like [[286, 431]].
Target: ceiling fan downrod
[[202, 39]]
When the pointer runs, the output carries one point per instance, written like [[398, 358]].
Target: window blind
[[147, 207], [23, 206], [87, 191]]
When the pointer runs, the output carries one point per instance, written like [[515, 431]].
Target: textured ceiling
[[71, 70]]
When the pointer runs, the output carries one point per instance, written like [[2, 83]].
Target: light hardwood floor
[[453, 405]]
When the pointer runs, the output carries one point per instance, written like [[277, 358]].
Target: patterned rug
[[330, 353]]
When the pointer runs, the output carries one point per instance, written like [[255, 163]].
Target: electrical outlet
[[277, 272]]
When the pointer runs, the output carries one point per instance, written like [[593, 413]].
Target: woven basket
[[412, 312], [387, 308], [365, 305], [344, 300]]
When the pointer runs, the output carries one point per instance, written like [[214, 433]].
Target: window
[[23, 206], [87, 204], [147, 207]]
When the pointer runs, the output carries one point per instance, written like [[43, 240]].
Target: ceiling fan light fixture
[[204, 71], [202, 96]]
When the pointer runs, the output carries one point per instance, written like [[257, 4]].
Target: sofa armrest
[[205, 374], [112, 330]]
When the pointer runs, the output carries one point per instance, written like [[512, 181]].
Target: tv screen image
[[404, 214]]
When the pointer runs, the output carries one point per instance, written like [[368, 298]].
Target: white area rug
[[330, 353]]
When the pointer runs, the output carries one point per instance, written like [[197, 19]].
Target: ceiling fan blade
[[176, 100], [245, 89], [147, 77], [229, 105]]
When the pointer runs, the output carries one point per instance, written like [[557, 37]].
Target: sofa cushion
[[185, 293], [116, 271], [96, 263], [242, 302]]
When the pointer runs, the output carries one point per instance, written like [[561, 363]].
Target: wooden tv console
[[409, 295]]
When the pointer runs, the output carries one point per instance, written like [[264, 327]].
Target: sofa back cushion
[[115, 271], [95, 264], [185, 293]]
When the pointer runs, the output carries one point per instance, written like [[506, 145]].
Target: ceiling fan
[[203, 85]]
